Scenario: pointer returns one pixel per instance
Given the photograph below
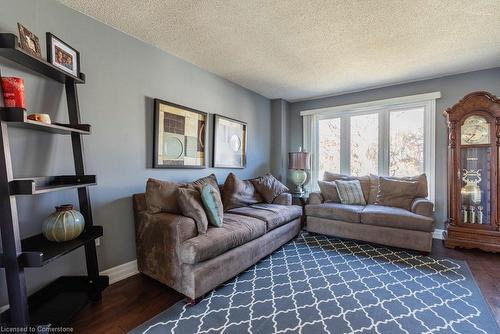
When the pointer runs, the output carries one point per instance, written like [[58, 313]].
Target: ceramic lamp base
[[298, 178]]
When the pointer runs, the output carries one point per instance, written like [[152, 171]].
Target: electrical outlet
[[98, 241]]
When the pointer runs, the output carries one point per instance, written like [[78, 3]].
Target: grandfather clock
[[473, 176]]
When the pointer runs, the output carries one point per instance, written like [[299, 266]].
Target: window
[[364, 144], [329, 132], [406, 148], [389, 137]]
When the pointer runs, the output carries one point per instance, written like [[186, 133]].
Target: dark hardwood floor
[[130, 302]]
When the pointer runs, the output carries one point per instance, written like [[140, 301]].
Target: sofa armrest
[[158, 240], [315, 198], [283, 199], [422, 206]]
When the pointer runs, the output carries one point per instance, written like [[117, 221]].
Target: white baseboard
[[438, 234], [115, 274], [120, 272]]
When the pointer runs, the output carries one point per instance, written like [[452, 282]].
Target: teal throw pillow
[[212, 204]]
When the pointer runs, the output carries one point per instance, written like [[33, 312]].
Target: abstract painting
[[180, 136], [230, 143]]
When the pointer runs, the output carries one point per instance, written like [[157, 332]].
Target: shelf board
[[45, 184], [9, 48], [17, 117], [38, 251], [57, 303]]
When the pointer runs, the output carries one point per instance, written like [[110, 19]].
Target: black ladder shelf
[[56, 303]]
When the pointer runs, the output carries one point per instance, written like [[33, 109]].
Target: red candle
[[13, 92]]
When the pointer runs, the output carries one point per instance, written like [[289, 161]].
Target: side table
[[301, 199]]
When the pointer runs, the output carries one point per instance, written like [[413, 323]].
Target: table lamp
[[298, 163]]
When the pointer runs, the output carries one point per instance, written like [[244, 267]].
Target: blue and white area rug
[[316, 284]]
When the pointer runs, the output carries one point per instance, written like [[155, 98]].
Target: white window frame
[[383, 108]]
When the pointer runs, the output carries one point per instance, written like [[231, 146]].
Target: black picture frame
[[50, 38], [215, 161], [156, 136]]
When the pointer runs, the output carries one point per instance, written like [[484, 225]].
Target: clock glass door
[[475, 174]]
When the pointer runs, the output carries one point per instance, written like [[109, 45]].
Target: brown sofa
[[392, 226], [170, 250]]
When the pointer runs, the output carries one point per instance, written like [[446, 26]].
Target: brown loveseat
[[170, 250], [392, 226]]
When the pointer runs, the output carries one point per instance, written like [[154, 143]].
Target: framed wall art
[[62, 56], [230, 143], [180, 136]]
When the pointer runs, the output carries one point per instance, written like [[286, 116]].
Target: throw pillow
[[329, 191], [161, 196], [269, 187], [363, 180], [421, 179], [191, 205], [212, 204], [396, 193], [211, 180], [372, 197], [350, 192], [239, 193]]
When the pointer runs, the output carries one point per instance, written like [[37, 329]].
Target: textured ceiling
[[297, 49]]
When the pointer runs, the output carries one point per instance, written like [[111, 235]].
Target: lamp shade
[[299, 160]]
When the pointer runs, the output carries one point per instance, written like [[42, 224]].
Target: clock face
[[475, 130]]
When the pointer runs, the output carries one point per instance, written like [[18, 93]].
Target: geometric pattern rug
[[319, 284]]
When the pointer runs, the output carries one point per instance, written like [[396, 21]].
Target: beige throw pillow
[[329, 191], [350, 192], [239, 193], [161, 196], [421, 179], [269, 187], [363, 180], [190, 204], [396, 193]]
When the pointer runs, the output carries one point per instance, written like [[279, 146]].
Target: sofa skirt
[[417, 240]]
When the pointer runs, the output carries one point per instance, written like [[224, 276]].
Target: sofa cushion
[[396, 193], [363, 180], [273, 214], [189, 201], [211, 180], [161, 196], [421, 179], [396, 218], [269, 187], [329, 191], [239, 193], [236, 230], [337, 211]]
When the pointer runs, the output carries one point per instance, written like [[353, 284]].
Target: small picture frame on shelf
[[62, 55], [29, 42]]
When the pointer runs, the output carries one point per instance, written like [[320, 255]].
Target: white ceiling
[[296, 49]]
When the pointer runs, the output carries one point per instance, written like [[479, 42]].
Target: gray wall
[[452, 89], [123, 75]]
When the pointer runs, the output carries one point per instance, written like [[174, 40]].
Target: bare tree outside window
[[329, 146], [364, 144], [406, 142]]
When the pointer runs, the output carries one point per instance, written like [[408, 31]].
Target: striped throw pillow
[[350, 192]]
